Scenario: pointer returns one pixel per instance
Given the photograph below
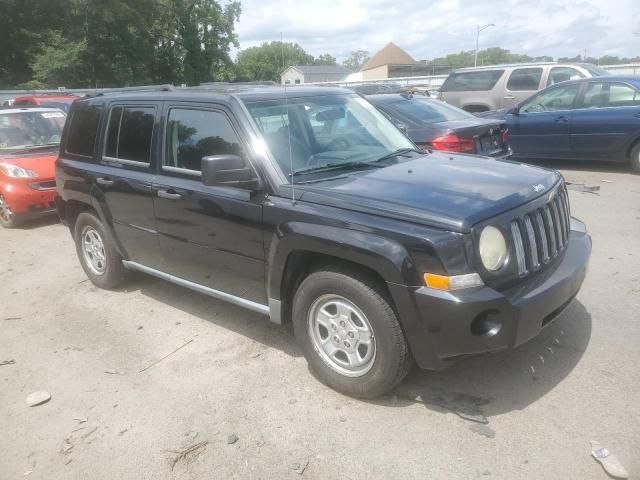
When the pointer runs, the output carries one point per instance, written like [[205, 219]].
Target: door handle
[[106, 181], [509, 97], [169, 194], [561, 119]]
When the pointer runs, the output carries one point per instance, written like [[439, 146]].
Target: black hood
[[451, 191]]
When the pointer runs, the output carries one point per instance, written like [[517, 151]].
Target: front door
[[540, 127], [607, 120], [209, 235]]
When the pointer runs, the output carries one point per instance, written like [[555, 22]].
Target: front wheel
[[7, 217], [635, 158], [349, 333], [98, 256]]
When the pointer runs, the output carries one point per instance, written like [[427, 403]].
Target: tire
[[327, 294], [100, 260], [7, 217], [634, 159]]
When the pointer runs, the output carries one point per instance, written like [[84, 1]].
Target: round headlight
[[493, 248]]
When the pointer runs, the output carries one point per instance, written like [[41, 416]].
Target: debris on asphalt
[[27, 473], [606, 181], [467, 407], [343, 419], [608, 460], [231, 439], [167, 355], [122, 432], [38, 398], [581, 187], [189, 454], [81, 419], [13, 318], [113, 372], [484, 430], [89, 433], [7, 362], [299, 467], [67, 446], [78, 429]]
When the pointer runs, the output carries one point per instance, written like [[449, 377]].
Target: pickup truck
[[309, 206]]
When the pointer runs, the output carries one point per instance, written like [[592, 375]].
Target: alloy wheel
[[93, 250]]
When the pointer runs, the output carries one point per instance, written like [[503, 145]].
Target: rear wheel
[[349, 333], [98, 256], [7, 217], [635, 158]]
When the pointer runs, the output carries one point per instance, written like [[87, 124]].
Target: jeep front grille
[[542, 234]]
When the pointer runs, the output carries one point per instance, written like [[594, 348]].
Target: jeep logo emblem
[[538, 187]]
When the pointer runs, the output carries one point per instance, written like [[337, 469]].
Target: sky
[[428, 29]]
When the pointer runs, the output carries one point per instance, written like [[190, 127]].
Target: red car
[[53, 100], [29, 144]]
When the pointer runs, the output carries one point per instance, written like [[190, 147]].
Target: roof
[[321, 69], [390, 54], [220, 92], [524, 64], [48, 96]]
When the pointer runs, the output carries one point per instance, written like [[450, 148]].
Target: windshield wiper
[[44, 146], [334, 166], [401, 152]]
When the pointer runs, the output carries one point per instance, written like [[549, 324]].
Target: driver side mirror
[[228, 171]]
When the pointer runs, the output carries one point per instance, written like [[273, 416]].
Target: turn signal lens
[[453, 143], [454, 282]]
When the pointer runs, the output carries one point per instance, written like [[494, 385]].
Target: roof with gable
[[391, 54]]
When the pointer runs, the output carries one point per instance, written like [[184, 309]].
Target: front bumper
[[445, 325], [26, 202]]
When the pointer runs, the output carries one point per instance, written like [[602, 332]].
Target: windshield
[[30, 129], [422, 110], [316, 131], [596, 71]]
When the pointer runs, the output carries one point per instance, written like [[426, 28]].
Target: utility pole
[[480, 28]]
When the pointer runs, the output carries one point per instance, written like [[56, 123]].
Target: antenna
[[286, 104]]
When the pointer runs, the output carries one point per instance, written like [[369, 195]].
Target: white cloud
[[431, 29]]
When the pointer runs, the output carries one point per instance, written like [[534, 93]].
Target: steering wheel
[[338, 143]]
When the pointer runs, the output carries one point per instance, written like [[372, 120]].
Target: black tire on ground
[[113, 272], [392, 356], [7, 218], [634, 158]]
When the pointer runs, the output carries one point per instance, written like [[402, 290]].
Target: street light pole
[[480, 28]]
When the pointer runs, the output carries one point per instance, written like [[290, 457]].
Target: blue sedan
[[587, 119]]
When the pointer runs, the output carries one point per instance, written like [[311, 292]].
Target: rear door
[[521, 84], [209, 235], [606, 122], [124, 176], [540, 126]]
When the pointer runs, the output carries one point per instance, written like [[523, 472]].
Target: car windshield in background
[[422, 110], [596, 71], [483, 80], [30, 129], [309, 134]]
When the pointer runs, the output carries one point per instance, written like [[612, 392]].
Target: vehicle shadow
[[236, 319], [497, 383], [39, 222], [587, 165]]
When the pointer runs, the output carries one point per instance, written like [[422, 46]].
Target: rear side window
[[83, 130], [563, 74], [525, 79], [604, 94], [193, 134], [129, 133], [471, 81]]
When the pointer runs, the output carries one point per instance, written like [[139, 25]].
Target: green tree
[[356, 59], [325, 59], [269, 60]]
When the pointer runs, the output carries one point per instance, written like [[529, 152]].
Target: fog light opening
[[486, 324]]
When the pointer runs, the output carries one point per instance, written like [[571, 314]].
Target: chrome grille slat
[[543, 237], [533, 246], [552, 231], [557, 224], [519, 246], [563, 214]]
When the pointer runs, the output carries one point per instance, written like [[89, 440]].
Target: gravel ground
[[242, 376]]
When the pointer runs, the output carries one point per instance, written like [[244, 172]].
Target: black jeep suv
[[309, 206]]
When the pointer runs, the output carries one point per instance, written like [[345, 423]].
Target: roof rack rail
[[99, 92]]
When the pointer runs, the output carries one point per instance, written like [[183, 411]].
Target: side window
[[129, 133], [596, 95], [83, 130], [525, 79], [471, 81], [563, 74], [557, 98], [604, 94], [193, 134]]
